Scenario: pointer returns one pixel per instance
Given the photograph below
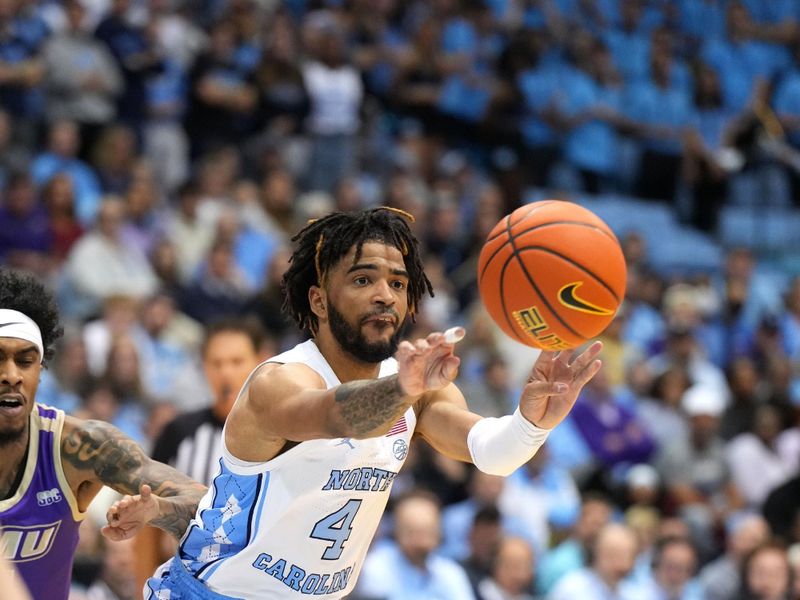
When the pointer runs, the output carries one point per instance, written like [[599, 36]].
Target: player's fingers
[[536, 389], [145, 491], [422, 346], [565, 356], [111, 533], [405, 350], [454, 335], [586, 357], [450, 367], [583, 376], [435, 338]]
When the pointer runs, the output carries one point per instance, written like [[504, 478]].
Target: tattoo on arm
[[120, 463], [366, 405]]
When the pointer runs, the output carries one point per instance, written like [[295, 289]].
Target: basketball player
[[52, 465], [318, 433]]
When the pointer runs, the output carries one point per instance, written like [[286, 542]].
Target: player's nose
[[382, 292], [10, 373]]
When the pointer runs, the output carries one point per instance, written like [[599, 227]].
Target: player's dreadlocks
[[324, 242], [29, 296]]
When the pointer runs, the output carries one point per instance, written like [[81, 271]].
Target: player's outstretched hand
[[428, 364], [127, 516], [555, 382]]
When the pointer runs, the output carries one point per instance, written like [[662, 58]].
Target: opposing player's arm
[[95, 453], [291, 402]]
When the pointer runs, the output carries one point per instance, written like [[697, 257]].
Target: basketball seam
[[536, 287], [503, 299], [536, 206], [533, 228], [575, 264]]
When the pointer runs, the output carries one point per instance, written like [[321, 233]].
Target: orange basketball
[[552, 274]]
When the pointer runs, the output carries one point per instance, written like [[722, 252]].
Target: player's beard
[[12, 434], [354, 343]]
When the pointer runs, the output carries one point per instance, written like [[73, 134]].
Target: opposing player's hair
[[324, 242], [26, 294]]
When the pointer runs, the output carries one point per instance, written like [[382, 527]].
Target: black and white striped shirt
[[192, 443]]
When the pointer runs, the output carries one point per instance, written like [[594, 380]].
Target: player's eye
[[361, 280], [399, 285]]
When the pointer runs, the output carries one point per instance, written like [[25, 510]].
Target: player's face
[[19, 378], [228, 360], [368, 302]]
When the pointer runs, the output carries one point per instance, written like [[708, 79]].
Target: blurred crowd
[[157, 156]]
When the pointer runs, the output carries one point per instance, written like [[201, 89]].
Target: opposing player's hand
[[555, 382], [127, 516], [428, 364]]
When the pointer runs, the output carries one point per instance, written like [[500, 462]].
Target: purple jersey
[[39, 523]]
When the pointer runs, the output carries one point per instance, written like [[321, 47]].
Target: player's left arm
[[500, 446], [95, 453]]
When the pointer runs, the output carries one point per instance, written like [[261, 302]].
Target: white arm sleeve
[[501, 446]]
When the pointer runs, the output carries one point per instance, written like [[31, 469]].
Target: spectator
[[484, 540], [222, 92], [101, 265], [612, 558], [81, 77], [408, 567], [336, 93], [720, 579], [59, 200], [674, 565], [704, 167], [115, 581], [767, 574], [490, 490], [613, 433], [492, 395], [21, 70], [219, 289], [571, 554], [135, 55], [696, 474], [512, 572], [782, 511], [283, 98], [61, 157], [660, 412], [115, 159], [267, 302], [25, 237], [756, 466]]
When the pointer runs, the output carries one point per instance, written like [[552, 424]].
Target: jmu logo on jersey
[[49, 497], [21, 544]]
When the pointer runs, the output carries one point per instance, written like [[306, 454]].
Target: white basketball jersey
[[299, 524]]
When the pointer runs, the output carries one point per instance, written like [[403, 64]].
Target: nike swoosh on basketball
[[568, 297], [12, 323]]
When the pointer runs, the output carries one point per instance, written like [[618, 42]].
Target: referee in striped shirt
[[192, 442]]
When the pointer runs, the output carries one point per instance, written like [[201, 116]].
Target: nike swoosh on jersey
[[12, 323], [568, 297]]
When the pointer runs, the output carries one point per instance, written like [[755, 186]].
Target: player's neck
[[346, 367], [12, 466]]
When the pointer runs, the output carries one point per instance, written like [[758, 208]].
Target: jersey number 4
[[336, 528]]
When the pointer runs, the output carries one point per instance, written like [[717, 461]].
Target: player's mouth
[[381, 320], [11, 404]]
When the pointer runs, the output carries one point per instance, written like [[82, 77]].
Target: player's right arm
[[290, 402]]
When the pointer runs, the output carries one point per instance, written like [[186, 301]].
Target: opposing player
[[319, 433], [52, 465]]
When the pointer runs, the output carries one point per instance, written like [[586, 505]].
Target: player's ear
[[318, 301]]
